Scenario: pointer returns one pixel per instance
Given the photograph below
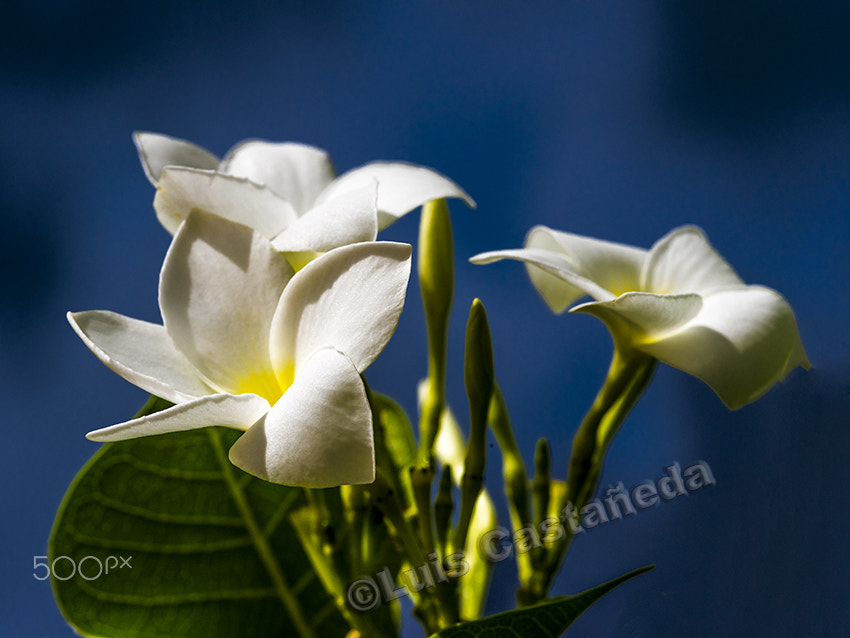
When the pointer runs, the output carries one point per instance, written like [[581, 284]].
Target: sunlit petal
[[348, 219], [227, 410], [684, 261], [319, 434], [182, 190], [141, 352], [739, 340], [158, 151], [742, 342], [637, 317], [296, 172], [349, 298], [219, 288], [401, 188], [615, 267]]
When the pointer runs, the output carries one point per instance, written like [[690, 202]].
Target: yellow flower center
[[262, 384]]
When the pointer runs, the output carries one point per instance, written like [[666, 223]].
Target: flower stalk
[[628, 376], [515, 475], [541, 492], [436, 281], [444, 506], [478, 379]]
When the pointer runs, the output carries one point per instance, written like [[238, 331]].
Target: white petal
[[319, 434], [401, 188], [296, 172], [742, 340], [684, 261], [348, 219], [637, 317], [219, 287], [349, 298], [182, 190], [239, 412], [553, 274], [614, 267], [158, 151], [141, 352]]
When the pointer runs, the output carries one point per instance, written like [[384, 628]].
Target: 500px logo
[[88, 567]]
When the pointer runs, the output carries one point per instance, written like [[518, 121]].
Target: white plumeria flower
[[679, 302], [248, 344], [286, 186]]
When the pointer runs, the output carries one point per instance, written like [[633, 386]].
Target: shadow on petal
[[738, 374]]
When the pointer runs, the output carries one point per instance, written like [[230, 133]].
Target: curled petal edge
[[156, 151], [740, 342], [238, 411], [401, 188], [553, 275]]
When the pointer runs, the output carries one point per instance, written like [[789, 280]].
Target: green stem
[[541, 492], [628, 377], [326, 531], [514, 472], [260, 542], [330, 576], [354, 508], [443, 509], [428, 608], [436, 283], [422, 480]]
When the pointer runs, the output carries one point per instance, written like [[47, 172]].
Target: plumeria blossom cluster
[[287, 192], [276, 295], [249, 343]]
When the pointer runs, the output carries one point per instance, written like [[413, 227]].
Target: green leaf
[[398, 431], [398, 451], [209, 549], [549, 619]]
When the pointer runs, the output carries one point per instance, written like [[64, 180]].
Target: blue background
[[618, 120]]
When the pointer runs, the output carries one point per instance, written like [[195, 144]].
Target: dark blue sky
[[618, 120]]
